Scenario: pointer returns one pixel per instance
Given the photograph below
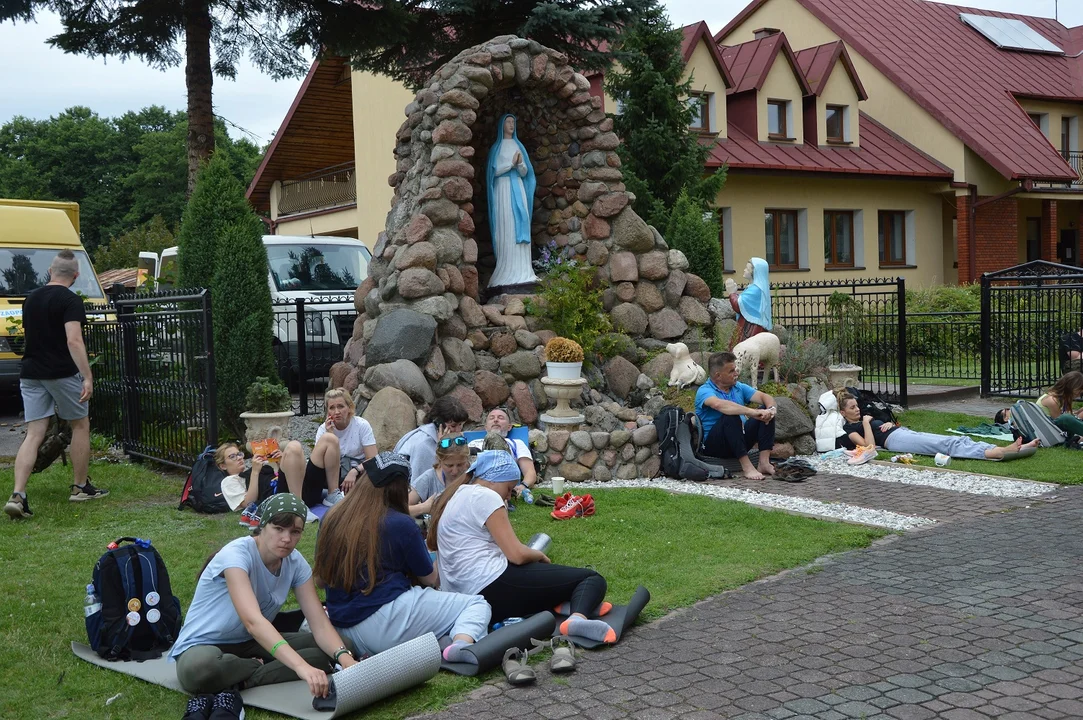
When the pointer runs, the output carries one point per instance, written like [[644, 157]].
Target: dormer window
[[777, 125], [699, 104], [836, 123]]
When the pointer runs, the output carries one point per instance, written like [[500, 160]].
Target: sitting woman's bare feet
[[753, 475], [767, 468]]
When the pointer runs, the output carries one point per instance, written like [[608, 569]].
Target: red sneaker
[[562, 500], [588, 505], [574, 507]]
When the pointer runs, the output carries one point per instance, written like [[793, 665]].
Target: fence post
[[902, 349], [986, 338], [133, 416], [302, 356], [211, 377]]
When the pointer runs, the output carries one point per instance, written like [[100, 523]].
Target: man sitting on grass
[[730, 427]]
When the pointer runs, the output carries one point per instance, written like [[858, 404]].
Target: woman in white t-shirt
[[228, 639], [480, 554], [343, 442]]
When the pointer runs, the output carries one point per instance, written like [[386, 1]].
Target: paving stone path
[[977, 618]]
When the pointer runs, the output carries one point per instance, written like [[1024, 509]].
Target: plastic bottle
[[528, 497], [92, 603], [507, 621]]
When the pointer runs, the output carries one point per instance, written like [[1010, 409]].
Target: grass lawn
[[1058, 464], [682, 548]]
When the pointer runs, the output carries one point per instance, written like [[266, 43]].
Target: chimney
[[764, 32]]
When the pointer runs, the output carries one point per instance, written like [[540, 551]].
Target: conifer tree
[[694, 231], [217, 202]]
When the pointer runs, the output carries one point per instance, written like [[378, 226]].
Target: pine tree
[[695, 233], [217, 202], [660, 155]]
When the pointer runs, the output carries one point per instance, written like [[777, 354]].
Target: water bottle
[[528, 497], [507, 621], [540, 542], [92, 603]]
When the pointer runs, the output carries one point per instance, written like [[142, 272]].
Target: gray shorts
[[43, 398]]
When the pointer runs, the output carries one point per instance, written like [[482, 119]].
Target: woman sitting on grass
[[369, 551], [864, 434], [228, 642], [452, 459], [1057, 403], [479, 553], [445, 417]]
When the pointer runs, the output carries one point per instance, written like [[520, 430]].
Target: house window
[[780, 232], [1034, 238], [836, 123], [700, 105], [1036, 118], [838, 238], [892, 236], [1065, 136], [776, 119]]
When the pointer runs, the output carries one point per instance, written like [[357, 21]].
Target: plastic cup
[[558, 486], [941, 459]]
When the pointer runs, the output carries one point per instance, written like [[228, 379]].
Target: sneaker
[[86, 492], [332, 499], [227, 705], [249, 517], [17, 507], [862, 455], [562, 500], [311, 517], [575, 507], [199, 707]]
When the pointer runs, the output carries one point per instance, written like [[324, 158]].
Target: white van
[[321, 270]]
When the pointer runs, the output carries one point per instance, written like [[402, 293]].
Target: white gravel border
[[957, 482], [805, 506]]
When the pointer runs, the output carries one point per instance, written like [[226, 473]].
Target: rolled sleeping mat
[[489, 651], [382, 675], [620, 618]]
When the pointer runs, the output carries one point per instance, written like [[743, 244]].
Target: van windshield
[[26, 269], [318, 266]]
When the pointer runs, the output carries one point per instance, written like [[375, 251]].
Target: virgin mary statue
[[509, 180]]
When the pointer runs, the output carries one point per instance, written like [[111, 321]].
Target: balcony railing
[[328, 188], [1075, 159]]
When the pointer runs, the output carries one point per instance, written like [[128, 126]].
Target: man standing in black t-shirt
[[55, 379]]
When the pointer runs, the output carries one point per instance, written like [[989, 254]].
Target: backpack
[[1031, 422], [675, 448], [137, 617], [872, 405], [203, 488]]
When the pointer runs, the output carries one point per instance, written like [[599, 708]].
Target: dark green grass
[[683, 548]]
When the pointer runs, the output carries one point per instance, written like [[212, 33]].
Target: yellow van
[[31, 234]]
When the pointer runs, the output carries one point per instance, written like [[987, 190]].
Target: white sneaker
[[862, 455], [332, 499], [311, 518]]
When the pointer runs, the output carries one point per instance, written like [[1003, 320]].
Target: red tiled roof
[[818, 62], [750, 62], [882, 153], [958, 76], [697, 32]]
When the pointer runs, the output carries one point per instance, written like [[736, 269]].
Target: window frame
[[784, 111], [884, 249], [777, 238], [841, 111], [1066, 135], [830, 249], [704, 100]]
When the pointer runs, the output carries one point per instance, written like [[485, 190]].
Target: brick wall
[[1050, 233], [996, 226]]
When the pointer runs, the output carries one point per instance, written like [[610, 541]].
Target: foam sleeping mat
[[620, 618], [489, 651], [369, 681]]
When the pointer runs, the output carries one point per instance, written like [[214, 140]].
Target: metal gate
[[154, 384], [1025, 311]]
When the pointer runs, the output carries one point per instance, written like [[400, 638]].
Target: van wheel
[[282, 361]]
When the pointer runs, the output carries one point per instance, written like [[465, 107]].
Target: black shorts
[[315, 483]]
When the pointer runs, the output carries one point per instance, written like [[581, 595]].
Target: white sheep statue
[[685, 370], [762, 348]]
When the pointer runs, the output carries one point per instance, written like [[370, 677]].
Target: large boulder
[[392, 414], [666, 324], [631, 232], [401, 374], [621, 376], [522, 365], [491, 388], [400, 334], [470, 402], [791, 421], [629, 318]]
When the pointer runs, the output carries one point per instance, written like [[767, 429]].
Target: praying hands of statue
[[517, 160], [731, 286]]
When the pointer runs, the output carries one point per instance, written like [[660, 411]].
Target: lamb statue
[[763, 347], [685, 370]]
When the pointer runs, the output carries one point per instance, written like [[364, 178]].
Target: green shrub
[[775, 389], [217, 201], [266, 396], [807, 358], [695, 233], [570, 304]]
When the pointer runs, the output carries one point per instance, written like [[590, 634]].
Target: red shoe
[[562, 501], [574, 507], [588, 505]]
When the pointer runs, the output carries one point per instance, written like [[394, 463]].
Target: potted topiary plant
[[269, 411], [563, 358], [850, 324]]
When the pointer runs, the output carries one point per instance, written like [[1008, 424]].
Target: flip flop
[[544, 500], [516, 671]]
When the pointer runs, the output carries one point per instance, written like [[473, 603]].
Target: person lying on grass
[[452, 459], [479, 553], [227, 640], [864, 431], [368, 550], [238, 488], [342, 443]]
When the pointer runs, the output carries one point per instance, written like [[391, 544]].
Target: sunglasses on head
[[447, 442]]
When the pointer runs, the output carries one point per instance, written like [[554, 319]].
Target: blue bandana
[[496, 466]]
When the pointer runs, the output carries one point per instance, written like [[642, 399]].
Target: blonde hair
[[842, 397], [450, 452], [335, 393], [222, 451]]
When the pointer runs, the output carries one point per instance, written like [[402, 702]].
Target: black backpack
[[678, 456], [203, 488], [136, 616], [872, 405]]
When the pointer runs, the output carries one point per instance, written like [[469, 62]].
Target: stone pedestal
[[561, 391]]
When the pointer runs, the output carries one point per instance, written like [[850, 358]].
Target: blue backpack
[[136, 617]]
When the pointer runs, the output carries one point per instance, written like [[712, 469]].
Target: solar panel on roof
[[1010, 34]]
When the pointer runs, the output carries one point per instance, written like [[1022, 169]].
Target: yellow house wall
[[342, 224], [980, 173], [781, 84], [747, 196], [838, 91], [378, 104], [706, 78], [887, 103], [1054, 112]]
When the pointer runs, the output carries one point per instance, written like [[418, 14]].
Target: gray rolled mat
[[620, 618], [490, 649]]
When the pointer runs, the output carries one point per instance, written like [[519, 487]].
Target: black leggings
[[523, 590], [729, 438]]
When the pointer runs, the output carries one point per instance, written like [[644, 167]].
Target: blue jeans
[[905, 440]]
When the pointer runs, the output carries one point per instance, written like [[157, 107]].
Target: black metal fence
[[1026, 310], [310, 336], [154, 382]]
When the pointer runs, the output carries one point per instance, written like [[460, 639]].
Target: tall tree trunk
[[198, 78]]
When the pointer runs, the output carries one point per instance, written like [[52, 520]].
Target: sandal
[[544, 500], [563, 659], [516, 671]]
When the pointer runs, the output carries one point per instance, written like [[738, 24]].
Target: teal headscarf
[[281, 503], [755, 300]]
